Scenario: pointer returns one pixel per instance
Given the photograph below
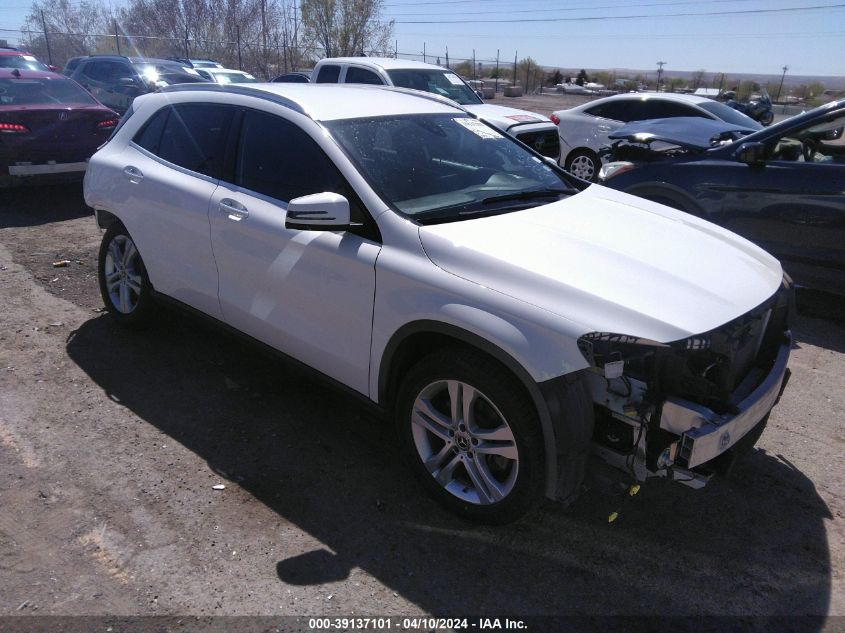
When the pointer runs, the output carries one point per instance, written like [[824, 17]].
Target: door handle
[[233, 209], [133, 174]]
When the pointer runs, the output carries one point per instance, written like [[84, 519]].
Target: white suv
[[509, 324], [535, 130]]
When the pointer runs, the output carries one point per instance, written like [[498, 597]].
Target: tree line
[[263, 36]]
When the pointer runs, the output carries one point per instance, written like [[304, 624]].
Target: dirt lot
[[110, 443]]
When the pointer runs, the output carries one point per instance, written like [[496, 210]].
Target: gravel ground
[[110, 443]]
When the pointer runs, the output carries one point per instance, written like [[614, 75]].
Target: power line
[[631, 17], [562, 9]]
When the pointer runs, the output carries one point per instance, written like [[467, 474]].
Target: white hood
[[611, 262], [504, 118]]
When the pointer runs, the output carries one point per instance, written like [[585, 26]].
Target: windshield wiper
[[527, 195]]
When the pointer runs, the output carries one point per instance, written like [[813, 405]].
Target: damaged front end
[[688, 408]]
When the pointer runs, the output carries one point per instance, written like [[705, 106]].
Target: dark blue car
[[782, 187]]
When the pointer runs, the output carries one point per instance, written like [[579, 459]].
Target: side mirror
[[751, 153], [325, 211], [480, 94]]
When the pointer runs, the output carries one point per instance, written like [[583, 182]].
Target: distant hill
[[830, 82]]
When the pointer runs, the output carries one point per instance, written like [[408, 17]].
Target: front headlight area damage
[[686, 409]]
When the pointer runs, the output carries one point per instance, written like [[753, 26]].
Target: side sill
[[373, 408]]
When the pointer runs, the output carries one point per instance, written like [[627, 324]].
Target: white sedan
[[584, 129]]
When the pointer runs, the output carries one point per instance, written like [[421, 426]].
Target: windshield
[[234, 78], [24, 62], [443, 167], [439, 82], [42, 90], [729, 115]]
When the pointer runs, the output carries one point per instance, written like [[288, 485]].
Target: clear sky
[[596, 33], [751, 36]]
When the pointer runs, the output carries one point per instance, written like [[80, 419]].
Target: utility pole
[[473, 65], [423, 51], [238, 34], [660, 66], [496, 84], [116, 38], [395, 49], [187, 51], [295, 56], [785, 68], [447, 59], [513, 81], [46, 39]]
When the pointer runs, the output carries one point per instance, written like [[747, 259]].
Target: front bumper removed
[[705, 435]]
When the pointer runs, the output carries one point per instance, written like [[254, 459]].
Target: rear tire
[[472, 436], [124, 284], [583, 163]]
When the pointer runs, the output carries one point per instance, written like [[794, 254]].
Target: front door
[[306, 293]]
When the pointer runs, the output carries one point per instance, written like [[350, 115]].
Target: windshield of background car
[[24, 62], [41, 90], [439, 82], [234, 78], [729, 115], [442, 167]]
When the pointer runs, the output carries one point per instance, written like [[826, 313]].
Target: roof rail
[[238, 89]]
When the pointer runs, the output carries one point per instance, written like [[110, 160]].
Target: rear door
[[169, 174]]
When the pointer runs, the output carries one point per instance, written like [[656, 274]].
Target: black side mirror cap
[[751, 153]]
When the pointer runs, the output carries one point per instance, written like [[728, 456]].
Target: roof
[[665, 96], [9, 73], [224, 70], [388, 63], [14, 53], [327, 102], [693, 132]]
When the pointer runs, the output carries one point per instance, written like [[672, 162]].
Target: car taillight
[[13, 128], [108, 125], [555, 119]]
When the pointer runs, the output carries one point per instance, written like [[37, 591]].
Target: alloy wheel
[[465, 442]]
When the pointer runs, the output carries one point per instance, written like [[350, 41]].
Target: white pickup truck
[[535, 130]]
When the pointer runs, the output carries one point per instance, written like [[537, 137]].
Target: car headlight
[[616, 354], [609, 170]]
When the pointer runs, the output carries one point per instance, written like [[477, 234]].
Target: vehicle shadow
[[753, 545], [36, 205]]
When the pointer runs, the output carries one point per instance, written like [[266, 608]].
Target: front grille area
[[711, 369], [546, 142]]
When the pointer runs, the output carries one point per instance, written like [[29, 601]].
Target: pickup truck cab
[[535, 130], [511, 321]]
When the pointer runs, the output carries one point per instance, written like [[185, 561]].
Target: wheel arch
[[105, 218], [417, 338]]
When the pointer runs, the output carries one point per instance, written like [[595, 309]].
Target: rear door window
[[192, 136], [660, 109], [355, 75], [329, 74]]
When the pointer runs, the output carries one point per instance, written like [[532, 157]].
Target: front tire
[[472, 436], [584, 164], [124, 284], [767, 118]]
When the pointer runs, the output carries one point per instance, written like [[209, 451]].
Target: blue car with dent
[[782, 187]]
